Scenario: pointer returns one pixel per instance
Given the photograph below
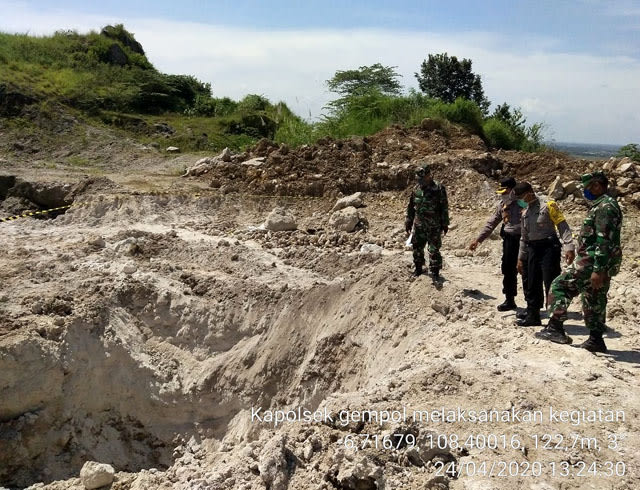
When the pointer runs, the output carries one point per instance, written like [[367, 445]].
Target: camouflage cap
[[599, 176], [423, 170]]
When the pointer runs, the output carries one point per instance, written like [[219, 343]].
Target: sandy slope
[[141, 331]]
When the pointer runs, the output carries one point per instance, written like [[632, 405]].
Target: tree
[[365, 80], [522, 137], [631, 150], [446, 78], [513, 118]]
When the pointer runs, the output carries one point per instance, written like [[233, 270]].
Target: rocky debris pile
[[206, 164], [623, 177], [384, 161], [624, 174], [342, 240]]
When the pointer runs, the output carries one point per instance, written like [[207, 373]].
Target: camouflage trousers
[[432, 238], [568, 285]]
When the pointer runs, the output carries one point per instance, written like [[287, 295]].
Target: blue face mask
[[522, 203], [588, 195]]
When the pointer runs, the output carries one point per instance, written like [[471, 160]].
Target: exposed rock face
[[116, 55], [12, 101]]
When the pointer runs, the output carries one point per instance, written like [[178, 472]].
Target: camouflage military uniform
[[598, 250], [428, 211]]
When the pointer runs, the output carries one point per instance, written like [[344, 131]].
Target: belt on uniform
[[544, 241]]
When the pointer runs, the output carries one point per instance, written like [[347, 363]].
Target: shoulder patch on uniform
[[554, 213]]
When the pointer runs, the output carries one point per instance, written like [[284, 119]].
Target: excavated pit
[[18, 196], [141, 330], [121, 367]]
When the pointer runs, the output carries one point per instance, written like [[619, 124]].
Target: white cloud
[[582, 97]]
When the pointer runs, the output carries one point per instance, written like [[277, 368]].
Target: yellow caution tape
[[35, 213], [153, 193]]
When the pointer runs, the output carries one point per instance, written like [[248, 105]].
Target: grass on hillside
[[106, 79]]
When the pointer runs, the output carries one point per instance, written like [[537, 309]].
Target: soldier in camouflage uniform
[[428, 215], [598, 259]]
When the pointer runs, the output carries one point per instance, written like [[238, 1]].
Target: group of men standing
[[534, 234]]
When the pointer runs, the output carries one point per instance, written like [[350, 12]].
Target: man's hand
[[445, 229], [570, 256], [474, 245], [520, 266], [597, 279], [407, 226]]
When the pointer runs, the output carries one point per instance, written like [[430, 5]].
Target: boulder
[[225, 155], [96, 475], [280, 219], [556, 190], [272, 464], [359, 474], [254, 162], [371, 248], [570, 187], [354, 200], [627, 168], [610, 164], [173, 149], [345, 219], [624, 182]]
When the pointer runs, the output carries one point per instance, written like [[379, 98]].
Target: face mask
[[522, 203], [589, 195]]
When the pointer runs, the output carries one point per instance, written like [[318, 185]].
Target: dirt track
[[141, 330]]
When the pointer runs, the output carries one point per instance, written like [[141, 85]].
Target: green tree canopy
[[447, 78], [365, 79], [631, 150]]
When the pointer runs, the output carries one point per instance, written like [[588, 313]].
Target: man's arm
[[558, 219], [491, 224], [608, 221], [524, 237], [444, 218], [411, 212]]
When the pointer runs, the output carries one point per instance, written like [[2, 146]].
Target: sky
[[573, 65]]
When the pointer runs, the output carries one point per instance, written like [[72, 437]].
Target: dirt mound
[[330, 167], [178, 316], [155, 332]]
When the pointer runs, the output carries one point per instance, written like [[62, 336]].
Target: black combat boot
[[521, 315], [435, 274], [531, 319], [554, 331], [594, 343], [418, 270], [509, 304]]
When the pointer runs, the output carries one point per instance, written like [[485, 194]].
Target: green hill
[[106, 78]]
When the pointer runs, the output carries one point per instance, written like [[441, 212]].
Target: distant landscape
[[585, 150]]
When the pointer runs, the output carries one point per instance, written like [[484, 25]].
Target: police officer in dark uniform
[[508, 213], [540, 246]]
